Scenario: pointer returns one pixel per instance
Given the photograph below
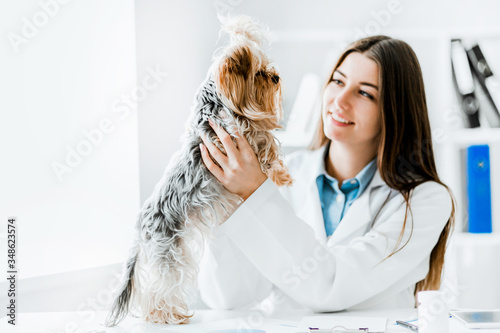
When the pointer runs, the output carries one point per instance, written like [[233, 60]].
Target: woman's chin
[[337, 134]]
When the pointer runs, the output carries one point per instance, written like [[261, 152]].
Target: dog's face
[[249, 85]]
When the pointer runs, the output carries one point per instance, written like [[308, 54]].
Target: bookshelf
[[460, 138]]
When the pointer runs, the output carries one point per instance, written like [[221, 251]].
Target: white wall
[[63, 79], [180, 37]]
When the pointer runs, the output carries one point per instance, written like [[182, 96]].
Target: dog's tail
[[121, 304]]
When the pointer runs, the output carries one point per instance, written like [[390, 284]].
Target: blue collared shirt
[[336, 201]]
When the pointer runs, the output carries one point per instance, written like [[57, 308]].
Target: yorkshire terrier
[[242, 93]]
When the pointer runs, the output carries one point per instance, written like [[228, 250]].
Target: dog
[[242, 93]]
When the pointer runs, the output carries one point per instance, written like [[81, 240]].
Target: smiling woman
[[351, 113], [399, 125], [350, 200]]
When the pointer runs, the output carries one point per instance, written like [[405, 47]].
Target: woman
[[366, 222]]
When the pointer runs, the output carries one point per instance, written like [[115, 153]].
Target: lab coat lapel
[[312, 213], [311, 209], [362, 210]]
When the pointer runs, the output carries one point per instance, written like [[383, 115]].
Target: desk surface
[[203, 321]]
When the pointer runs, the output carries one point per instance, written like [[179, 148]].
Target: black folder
[[489, 83], [464, 83]]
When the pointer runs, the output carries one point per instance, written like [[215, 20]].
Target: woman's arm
[[341, 276]]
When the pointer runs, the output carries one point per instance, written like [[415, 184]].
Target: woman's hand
[[239, 171]]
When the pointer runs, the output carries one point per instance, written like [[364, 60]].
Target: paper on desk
[[374, 324]]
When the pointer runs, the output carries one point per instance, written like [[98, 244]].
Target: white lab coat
[[276, 241]]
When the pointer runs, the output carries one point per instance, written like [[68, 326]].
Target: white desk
[[203, 321]]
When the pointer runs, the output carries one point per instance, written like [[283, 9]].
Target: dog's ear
[[231, 78], [266, 98]]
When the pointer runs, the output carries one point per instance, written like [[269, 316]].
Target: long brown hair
[[405, 155]]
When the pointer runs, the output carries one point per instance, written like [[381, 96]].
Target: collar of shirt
[[362, 179]]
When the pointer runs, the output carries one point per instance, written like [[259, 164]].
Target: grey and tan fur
[[242, 93]]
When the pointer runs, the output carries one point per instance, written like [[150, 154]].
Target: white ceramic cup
[[432, 312]]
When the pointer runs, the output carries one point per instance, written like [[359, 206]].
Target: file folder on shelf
[[464, 83], [489, 83], [479, 189]]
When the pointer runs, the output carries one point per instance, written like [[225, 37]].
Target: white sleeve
[[284, 249], [227, 279]]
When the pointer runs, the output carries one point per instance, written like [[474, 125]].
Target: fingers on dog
[[218, 156], [211, 166], [225, 138], [243, 145]]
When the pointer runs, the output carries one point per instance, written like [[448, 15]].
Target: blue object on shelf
[[479, 189]]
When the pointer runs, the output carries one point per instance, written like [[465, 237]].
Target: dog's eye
[[274, 78]]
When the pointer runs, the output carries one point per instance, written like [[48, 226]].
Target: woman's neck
[[346, 161]]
